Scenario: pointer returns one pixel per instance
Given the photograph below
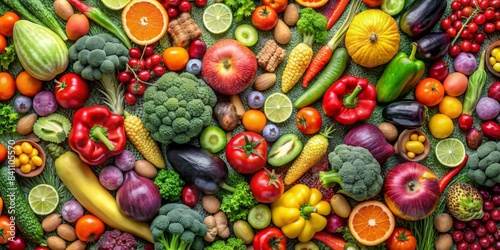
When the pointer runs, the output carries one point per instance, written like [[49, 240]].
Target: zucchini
[[47, 16], [21, 10], [25, 219]]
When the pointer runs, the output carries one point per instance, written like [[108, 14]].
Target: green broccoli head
[[484, 165], [355, 170], [312, 26], [178, 107], [170, 184]]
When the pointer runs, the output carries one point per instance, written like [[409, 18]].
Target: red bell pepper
[[97, 134], [349, 100]]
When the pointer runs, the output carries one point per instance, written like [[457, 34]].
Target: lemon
[[450, 106], [278, 107], [450, 152], [115, 4], [440, 126], [43, 199], [217, 18]]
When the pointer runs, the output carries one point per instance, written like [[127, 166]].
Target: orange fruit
[[144, 21], [27, 84], [371, 222]]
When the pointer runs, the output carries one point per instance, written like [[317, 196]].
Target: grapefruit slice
[[371, 222], [144, 21]]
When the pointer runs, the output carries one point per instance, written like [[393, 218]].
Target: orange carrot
[[325, 53], [337, 11]]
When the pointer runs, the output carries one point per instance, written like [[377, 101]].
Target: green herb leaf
[[8, 119], [7, 57]]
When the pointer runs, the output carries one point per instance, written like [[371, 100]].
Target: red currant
[[451, 32], [172, 12], [489, 27], [475, 48], [445, 23], [135, 52], [479, 38], [159, 70], [465, 3], [454, 50], [123, 77], [495, 4], [457, 24], [149, 50], [130, 98], [497, 25], [156, 59], [480, 19], [453, 18], [472, 27], [455, 5], [467, 11], [458, 13], [465, 33], [133, 62], [484, 4], [144, 75], [465, 46], [489, 14], [185, 6]]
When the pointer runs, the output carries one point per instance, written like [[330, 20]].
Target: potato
[[291, 15], [282, 33], [77, 245], [51, 222], [340, 206], [211, 204], [443, 222], [145, 169], [444, 242], [67, 232], [56, 243], [390, 131]]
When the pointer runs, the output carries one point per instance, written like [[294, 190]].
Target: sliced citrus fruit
[[43, 199], [450, 152], [371, 222], [144, 21], [115, 4], [278, 107], [217, 18]]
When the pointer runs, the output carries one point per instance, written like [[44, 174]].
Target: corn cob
[[297, 63], [312, 153], [142, 140]]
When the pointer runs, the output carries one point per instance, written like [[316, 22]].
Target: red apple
[[278, 5], [229, 67], [411, 191]]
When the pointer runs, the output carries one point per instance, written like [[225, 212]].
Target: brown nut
[[56, 243], [211, 204], [67, 232], [63, 9], [51, 222], [25, 124], [77, 245]]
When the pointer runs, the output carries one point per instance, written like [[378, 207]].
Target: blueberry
[[255, 99], [23, 104], [271, 132], [193, 66]]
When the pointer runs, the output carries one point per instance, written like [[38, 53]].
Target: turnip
[[111, 177], [44, 103], [465, 63], [71, 211], [487, 108], [125, 161]]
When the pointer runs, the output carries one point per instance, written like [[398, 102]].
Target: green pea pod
[[477, 81], [400, 76]]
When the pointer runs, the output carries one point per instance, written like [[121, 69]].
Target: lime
[[43, 199], [217, 18], [278, 107], [115, 4], [450, 152]]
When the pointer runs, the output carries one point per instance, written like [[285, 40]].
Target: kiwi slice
[[213, 139], [284, 150], [246, 34], [259, 217]]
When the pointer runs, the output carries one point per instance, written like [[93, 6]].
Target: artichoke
[[464, 202]]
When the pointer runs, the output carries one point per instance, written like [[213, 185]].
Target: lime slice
[[115, 4], [43, 199], [217, 18], [278, 107], [450, 152]]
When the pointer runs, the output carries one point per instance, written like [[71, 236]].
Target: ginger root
[[222, 228], [212, 228]]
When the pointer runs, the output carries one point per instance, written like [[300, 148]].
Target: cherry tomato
[[278, 5], [200, 3], [264, 17], [71, 91], [267, 186], [269, 238], [7, 22], [480, 19], [475, 47], [472, 27], [445, 23], [175, 58], [401, 239], [7, 228], [135, 53], [3, 44], [7, 86], [124, 77], [254, 120], [465, 122], [144, 75], [41, 248], [185, 6], [89, 228], [479, 38], [489, 27], [452, 32], [246, 152], [136, 88], [130, 98], [465, 45], [149, 50], [308, 120], [189, 196], [429, 92], [3, 154], [455, 50], [455, 5], [467, 11], [489, 14], [372, 3], [158, 70]]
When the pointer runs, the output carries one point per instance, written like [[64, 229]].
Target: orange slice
[[144, 21], [371, 222]]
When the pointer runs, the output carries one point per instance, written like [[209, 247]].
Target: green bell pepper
[[400, 76]]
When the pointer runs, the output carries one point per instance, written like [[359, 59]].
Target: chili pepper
[[349, 100], [336, 13], [330, 241], [102, 19], [445, 180], [491, 129], [400, 76], [97, 134], [477, 81]]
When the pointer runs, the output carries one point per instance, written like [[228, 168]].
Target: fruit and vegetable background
[[108, 183]]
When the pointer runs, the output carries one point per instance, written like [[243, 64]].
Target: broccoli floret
[[114, 60], [493, 157], [180, 109], [107, 66], [115, 239], [312, 26], [80, 43], [96, 57], [83, 55], [78, 67], [355, 170], [484, 165], [87, 73], [230, 244], [493, 171], [170, 184], [485, 149], [73, 53], [473, 162], [109, 49], [95, 43]]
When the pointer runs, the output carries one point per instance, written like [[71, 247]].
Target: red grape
[[135, 52], [459, 225], [465, 45], [475, 246], [496, 200], [486, 217], [495, 214], [445, 23], [454, 51], [484, 242], [488, 205], [474, 223], [480, 231], [457, 236]]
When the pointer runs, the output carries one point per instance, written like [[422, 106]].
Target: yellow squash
[[84, 185], [373, 38]]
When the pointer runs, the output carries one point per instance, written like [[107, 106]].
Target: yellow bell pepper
[[300, 212]]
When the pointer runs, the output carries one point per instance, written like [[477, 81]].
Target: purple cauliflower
[[117, 240]]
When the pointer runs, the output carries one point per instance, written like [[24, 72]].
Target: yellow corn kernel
[[17, 162], [26, 147], [37, 161], [26, 168], [18, 150], [24, 159], [33, 153]]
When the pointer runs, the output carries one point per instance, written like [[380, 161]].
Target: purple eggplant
[[421, 16], [433, 46]]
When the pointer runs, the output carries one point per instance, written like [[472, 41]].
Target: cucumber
[[20, 9], [17, 206], [213, 139], [47, 16]]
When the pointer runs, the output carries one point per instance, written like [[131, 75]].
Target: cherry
[[130, 98], [455, 50], [172, 12], [124, 77], [185, 6], [135, 53], [465, 45]]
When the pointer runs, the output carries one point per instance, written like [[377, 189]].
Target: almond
[[264, 81], [56, 243], [66, 232], [77, 245], [63, 9], [51, 222], [25, 124]]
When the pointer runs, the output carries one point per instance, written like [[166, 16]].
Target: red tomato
[[270, 238], [401, 239], [267, 187], [246, 152], [71, 91], [373, 3], [264, 17], [311, 3], [278, 5], [308, 120], [5, 228], [175, 58], [7, 86], [189, 196], [7, 23], [3, 154], [3, 44], [429, 92], [89, 228]]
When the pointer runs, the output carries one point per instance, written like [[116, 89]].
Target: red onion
[[125, 161], [71, 211], [370, 137], [335, 223], [111, 177], [138, 197]]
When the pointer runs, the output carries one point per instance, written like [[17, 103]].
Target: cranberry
[[475, 246], [474, 223], [481, 231], [463, 246], [457, 236], [200, 3], [496, 200], [172, 12], [491, 226], [486, 217], [130, 98], [484, 242], [124, 77], [459, 225], [135, 52], [469, 236], [484, 193], [488, 205], [185, 6], [495, 214], [496, 189]]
